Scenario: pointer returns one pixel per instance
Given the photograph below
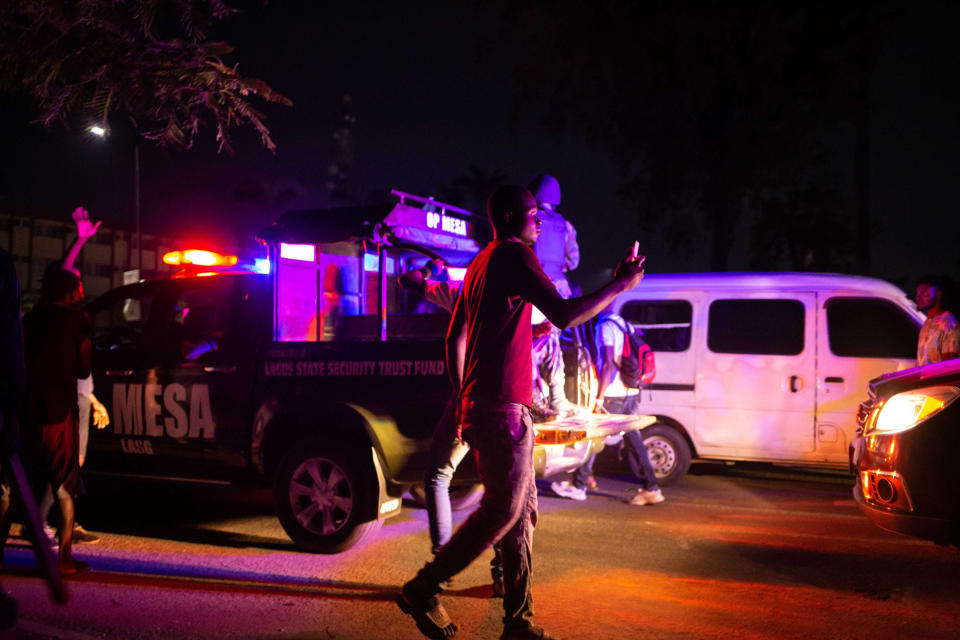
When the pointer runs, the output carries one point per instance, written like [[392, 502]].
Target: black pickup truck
[[321, 376]]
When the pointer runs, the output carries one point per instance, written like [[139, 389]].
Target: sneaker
[[82, 535], [566, 490], [644, 497]]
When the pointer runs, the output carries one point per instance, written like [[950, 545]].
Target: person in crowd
[[58, 352], [940, 334], [614, 397], [556, 248], [558, 252], [447, 449], [12, 385], [88, 404], [549, 395], [501, 284]]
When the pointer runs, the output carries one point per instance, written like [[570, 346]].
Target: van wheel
[[462, 497], [668, 451], [323, 497]]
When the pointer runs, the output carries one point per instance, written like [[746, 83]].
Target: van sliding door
[[756, 385]]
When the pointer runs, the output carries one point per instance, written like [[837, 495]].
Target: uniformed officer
[[558, 252], [557, 248]]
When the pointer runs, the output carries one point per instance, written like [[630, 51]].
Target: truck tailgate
[[590, 426], [564, 445]]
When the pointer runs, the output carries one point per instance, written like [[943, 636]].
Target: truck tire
[[323, 498], [669, 452], [462, 497]]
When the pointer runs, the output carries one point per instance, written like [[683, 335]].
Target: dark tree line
[[718, 116]]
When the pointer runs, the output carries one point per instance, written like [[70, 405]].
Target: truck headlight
[[908, 409]]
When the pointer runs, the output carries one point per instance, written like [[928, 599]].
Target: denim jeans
[[446, 452], [501, 436], [637, 456]]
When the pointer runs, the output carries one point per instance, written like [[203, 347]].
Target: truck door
[[756, 385], [128, 329], [207, 397]]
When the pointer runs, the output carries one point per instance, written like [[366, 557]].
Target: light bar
[[457, 274], [302, 252], [261, 265], [200, 258]]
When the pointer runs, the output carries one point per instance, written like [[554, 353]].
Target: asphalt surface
[[739, 552]]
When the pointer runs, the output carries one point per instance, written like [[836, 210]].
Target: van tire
[[669, 452], [462, 497], [324, 497]]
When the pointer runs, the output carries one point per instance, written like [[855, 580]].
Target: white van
[[764, 366]]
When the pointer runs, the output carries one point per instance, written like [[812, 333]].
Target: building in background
[[36, 242]]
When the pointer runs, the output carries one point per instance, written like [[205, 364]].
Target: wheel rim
[[663, 457], [321, 496]]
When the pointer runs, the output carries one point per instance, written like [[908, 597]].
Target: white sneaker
[[644, 497], [566, 490]]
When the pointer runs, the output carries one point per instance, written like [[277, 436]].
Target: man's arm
[[608, 369], [456, 345], [572, 251], [537, 289], [85, 231]]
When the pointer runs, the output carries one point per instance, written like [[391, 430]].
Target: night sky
[[434, 90]]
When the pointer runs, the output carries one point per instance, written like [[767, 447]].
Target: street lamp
[[101, 132]]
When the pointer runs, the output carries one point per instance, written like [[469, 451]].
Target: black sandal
[[428, 613]]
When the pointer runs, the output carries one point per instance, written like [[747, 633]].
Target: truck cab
[[313, 371]]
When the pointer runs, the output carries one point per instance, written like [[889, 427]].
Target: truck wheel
[[668, 451], [462, 497], [322, 496]]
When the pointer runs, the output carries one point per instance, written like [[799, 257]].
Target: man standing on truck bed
[[501, 284]]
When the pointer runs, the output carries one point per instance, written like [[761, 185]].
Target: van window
[[762, 327], [665, 324], [871, 328]]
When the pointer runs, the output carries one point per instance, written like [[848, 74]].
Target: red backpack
[[638, 366]]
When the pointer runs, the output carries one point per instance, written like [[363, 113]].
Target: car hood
[[936, 373]]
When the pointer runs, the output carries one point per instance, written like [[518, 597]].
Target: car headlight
[[908, 409]]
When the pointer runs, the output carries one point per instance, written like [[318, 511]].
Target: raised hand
[[630, 270], [85, 228]]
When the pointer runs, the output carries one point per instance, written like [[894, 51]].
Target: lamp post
[[101, 132]]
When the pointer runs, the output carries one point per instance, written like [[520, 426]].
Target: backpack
[[638, 365]]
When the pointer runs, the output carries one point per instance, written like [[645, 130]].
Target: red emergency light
[[199, 258]]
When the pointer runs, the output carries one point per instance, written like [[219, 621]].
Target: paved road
[[731, 554]]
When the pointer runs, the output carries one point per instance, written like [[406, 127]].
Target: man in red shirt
[[501, 284], [58, 348]]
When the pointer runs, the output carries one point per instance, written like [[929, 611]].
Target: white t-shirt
[[609, 334]]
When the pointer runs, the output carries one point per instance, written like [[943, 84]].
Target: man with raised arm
[[495, 307]]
